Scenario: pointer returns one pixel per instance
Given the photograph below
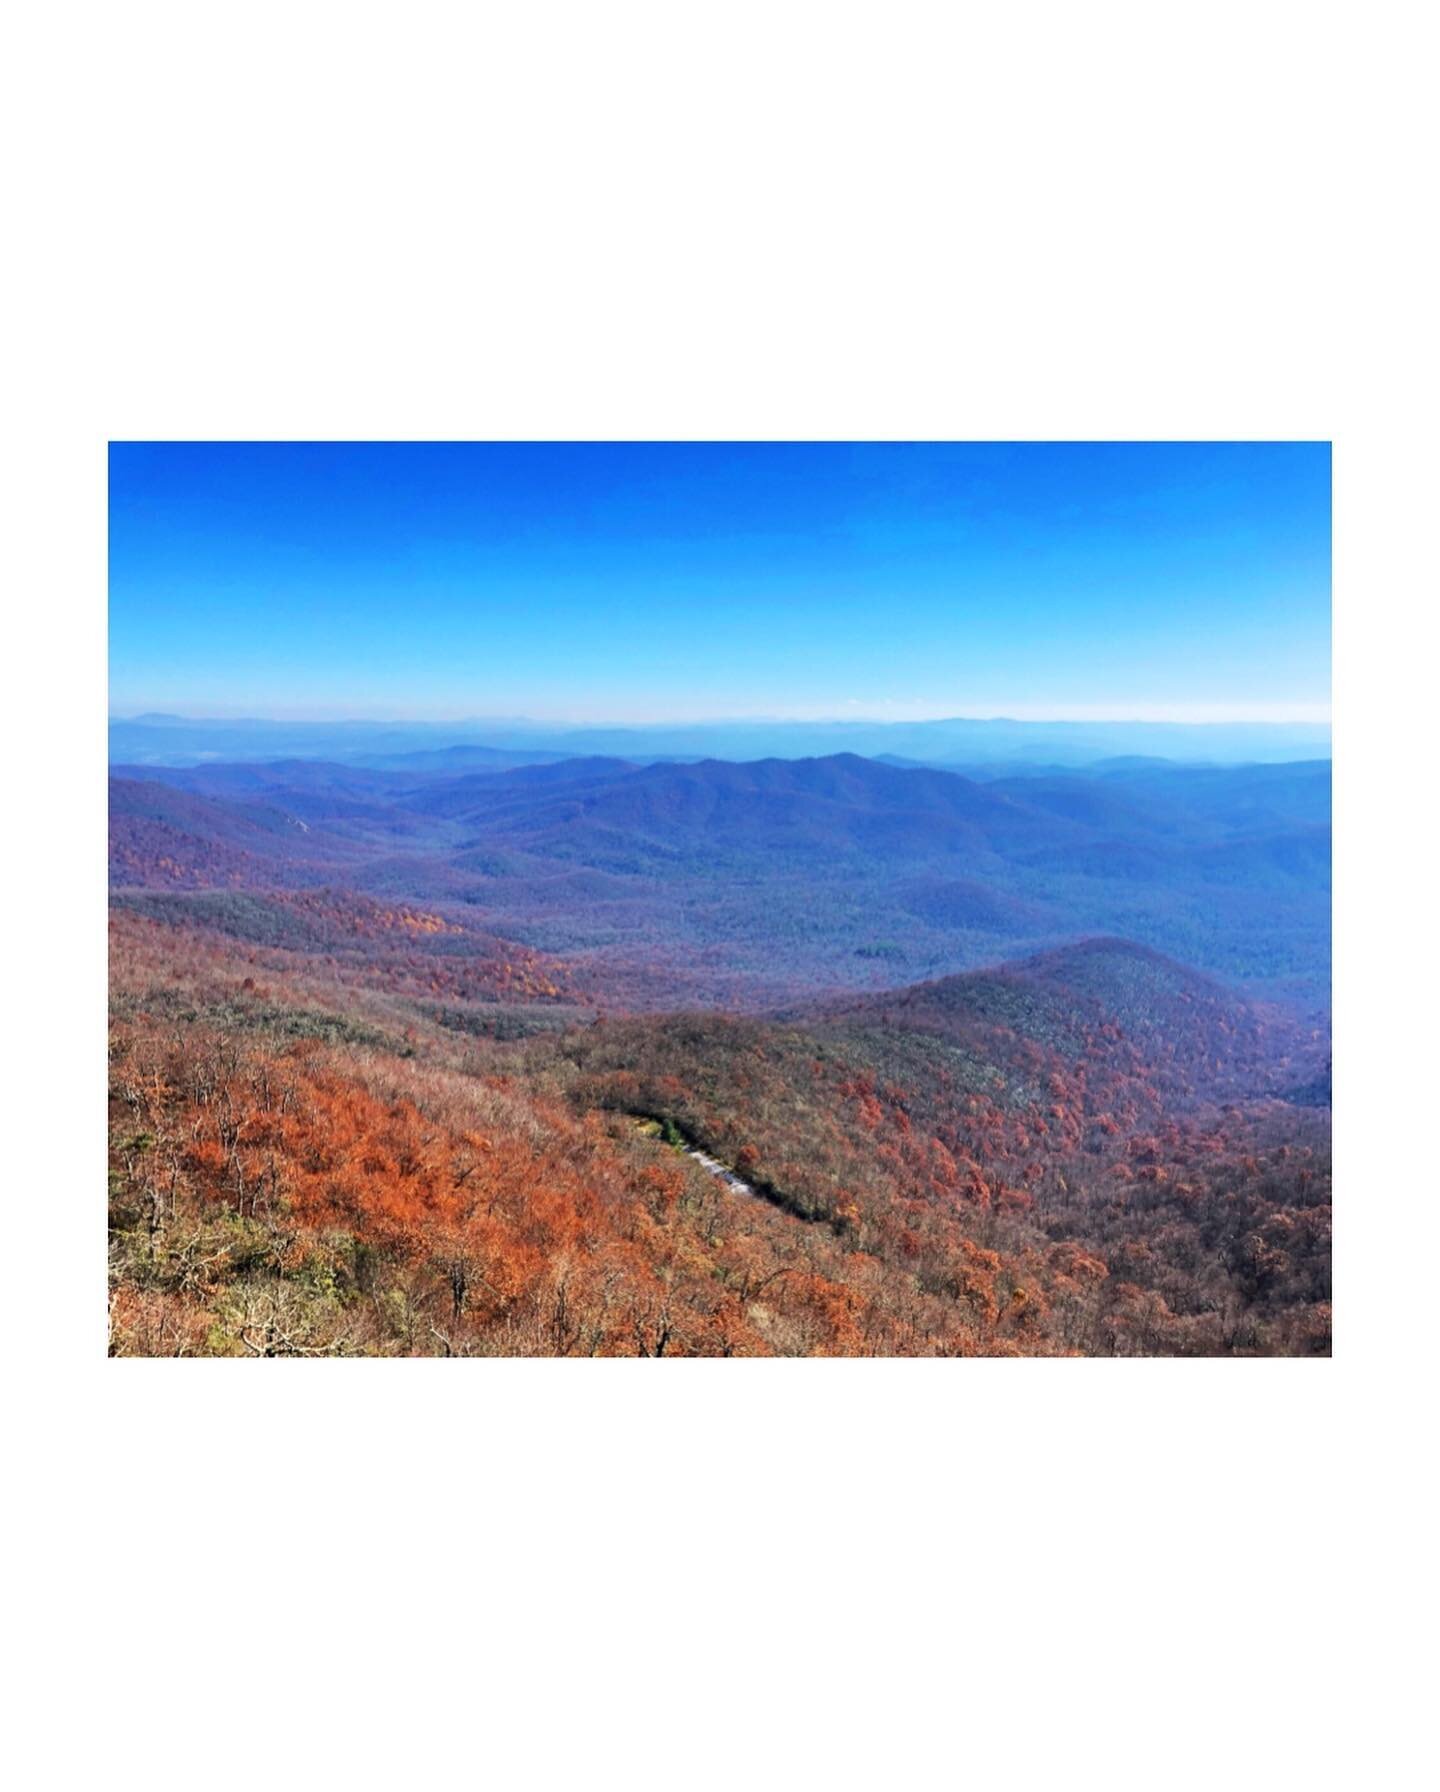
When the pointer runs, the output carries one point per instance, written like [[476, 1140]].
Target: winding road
[[722, 1172], [650, 1127]]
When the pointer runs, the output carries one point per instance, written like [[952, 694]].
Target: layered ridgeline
[[494, 743], [756, 883]]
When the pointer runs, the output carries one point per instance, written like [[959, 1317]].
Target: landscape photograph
[[719, 899]]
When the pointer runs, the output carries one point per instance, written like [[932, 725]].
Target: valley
[[787, 1057], [745, 884]]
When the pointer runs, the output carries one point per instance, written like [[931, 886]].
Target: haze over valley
[[745, 882]]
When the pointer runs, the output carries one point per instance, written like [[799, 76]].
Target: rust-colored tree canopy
[[316, 1152]]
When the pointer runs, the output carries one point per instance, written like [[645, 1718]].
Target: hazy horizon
[[956, 742], [1297, 716]]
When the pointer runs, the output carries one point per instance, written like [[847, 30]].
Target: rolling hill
[[747, 883]]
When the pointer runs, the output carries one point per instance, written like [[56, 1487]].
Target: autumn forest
[[813, 1057]]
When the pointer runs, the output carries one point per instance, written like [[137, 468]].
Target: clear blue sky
[[624, 582]]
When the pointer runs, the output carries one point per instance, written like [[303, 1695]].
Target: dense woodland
[[341, 1126], [743, 886]]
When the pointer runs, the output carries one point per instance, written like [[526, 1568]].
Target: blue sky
[[639, 582]]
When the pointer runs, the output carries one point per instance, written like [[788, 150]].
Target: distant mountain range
[[742, 883], [495, 744]]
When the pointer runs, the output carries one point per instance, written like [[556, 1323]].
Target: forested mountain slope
[[309, 1156], [748, 884]]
